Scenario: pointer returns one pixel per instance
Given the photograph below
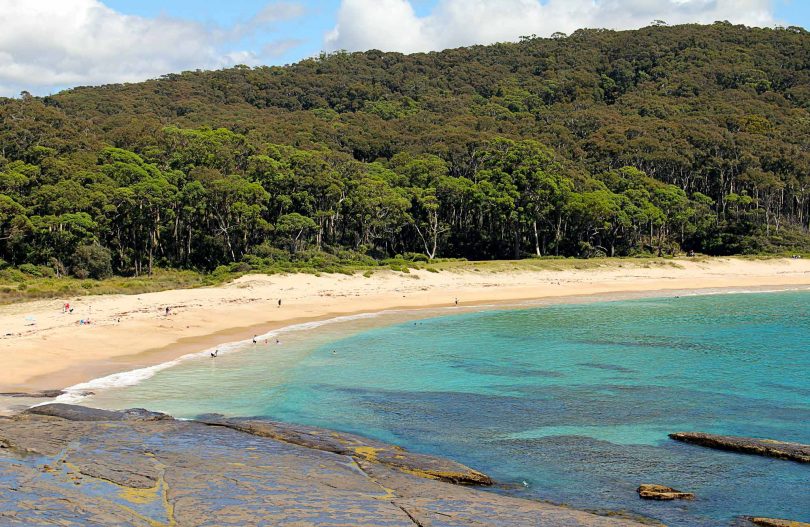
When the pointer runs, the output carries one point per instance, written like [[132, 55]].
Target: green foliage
[[610, 143], [37, 270], [92, 261]]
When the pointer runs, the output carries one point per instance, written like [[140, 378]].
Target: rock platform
[[73, 466]]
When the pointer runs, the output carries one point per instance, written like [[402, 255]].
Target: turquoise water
[[574, 400]]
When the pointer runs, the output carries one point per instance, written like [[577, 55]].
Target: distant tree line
[[654, 141]]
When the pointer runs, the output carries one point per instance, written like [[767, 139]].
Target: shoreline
[[210, 317], [76, 394]]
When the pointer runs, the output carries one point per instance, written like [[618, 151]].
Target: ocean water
[[569, 403]]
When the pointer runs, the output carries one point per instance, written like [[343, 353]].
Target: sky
[[50, 45]]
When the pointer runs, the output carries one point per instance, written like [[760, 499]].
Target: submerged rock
[[747, 445], [773, 522], [649, 491], [68, 466]]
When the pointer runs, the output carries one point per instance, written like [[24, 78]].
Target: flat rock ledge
[[74, 466], [358, 447], [774, 522], [649, 491], [747, 445], [73, 412], [44, 394]]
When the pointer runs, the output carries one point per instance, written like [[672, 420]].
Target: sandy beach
[[44, 348]]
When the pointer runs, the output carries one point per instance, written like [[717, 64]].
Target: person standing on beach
[[279, 302]]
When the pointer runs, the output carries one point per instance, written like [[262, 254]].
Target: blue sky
[[794, 12], [307, 32], [319, 18], [49, 45]]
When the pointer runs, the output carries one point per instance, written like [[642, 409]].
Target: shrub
[[416, 257], [92, 261], [240, 267], [266, 250], [221, 271], [40, 271], [31, 269]]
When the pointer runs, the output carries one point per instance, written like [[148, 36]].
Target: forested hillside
[[653, 141]]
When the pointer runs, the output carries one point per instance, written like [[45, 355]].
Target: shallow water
[[574, 400]]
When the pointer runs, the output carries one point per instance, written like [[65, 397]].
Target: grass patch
[[19, 286]]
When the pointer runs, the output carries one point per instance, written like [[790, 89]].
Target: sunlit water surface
[[575, 400]]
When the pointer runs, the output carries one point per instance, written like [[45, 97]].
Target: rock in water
[[748, 445], [660, 492], [773, 522]]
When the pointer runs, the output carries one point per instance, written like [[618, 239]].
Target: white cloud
[[278, 48], [393, 25], [267, 16], [50, 44]]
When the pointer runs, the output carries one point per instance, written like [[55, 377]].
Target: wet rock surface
[[747, 445], [69, 466], [660, 492]]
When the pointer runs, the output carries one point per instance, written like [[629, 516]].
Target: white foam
[[76, 393]]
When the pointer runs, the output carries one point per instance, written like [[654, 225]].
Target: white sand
[[57, 352]]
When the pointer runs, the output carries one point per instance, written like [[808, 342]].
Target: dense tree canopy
[[598, 143]]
